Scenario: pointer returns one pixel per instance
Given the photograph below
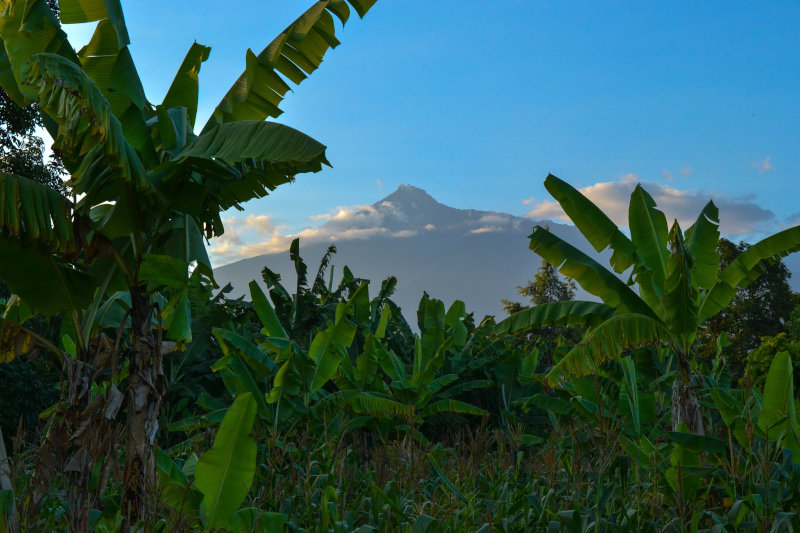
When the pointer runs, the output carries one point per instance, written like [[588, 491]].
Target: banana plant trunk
[[144, 395], [685, 407]]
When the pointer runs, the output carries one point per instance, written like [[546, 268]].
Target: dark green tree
[[546, 287], [762, 309]]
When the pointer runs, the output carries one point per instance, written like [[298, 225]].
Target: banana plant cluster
[[677, 279], [347, 365], [145, 189]]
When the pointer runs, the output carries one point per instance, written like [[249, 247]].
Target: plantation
[[137, 395]]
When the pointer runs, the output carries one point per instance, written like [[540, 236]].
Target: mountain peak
[[410, 196]]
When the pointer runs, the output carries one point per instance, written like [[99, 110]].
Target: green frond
[[588, 273], [292, 55], [607, 342], [747, 267], [90, 138], [568, 313], [598, 229]]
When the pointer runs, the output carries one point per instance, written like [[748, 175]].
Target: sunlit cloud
[[738, 214], [527, 201], [763, 166], [486, 229]]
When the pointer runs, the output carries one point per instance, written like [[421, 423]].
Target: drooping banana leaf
[[234, 163], [591, 275], [701, 242], [598, 229], [111, 68], [79, 11], [225, 472], [568, 313], [36, 213], [90, 137], [450, 406], [607, 342], [649, 235], [294, 54], [28, 28], [361, 402], [746, 268]]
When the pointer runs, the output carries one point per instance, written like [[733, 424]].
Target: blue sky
[[476, 102]]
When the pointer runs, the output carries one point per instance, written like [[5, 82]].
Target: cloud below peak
[[739, 214]]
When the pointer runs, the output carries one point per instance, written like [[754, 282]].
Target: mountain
[[479, 257]]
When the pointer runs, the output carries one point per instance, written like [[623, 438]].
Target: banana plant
[[677, 276], [144, 188]]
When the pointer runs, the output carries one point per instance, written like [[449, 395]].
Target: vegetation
[[321, 407]]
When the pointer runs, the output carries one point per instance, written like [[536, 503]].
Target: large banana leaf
[[701, 242], [46, 285], [90, 138], [233, 163], [591, 275], [36, 213], [607, 342], [747, 267], [79, 11], [111, 68], [598, 229], [295, 53], [327, 350], [778, 419], [266, 313], [225, 472], [28, 28], [569, 313], [680, 296], [450, 406], [649, 234], [361, 402], [185, 87]]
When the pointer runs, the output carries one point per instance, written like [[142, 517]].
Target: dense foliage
[[324, 407]]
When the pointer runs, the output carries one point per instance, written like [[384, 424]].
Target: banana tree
[[677, 276], [144, 190]]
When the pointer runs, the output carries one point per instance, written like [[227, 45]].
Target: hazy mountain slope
[[476, 256]]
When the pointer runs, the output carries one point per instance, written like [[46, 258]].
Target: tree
[[762, 309], [679, 286], [146, 189], [546, 287]]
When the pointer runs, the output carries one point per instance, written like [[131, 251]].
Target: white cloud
[[486, 229], [527, 201], [687, 171], [738, 214]]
